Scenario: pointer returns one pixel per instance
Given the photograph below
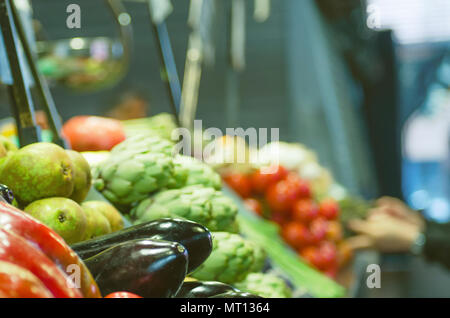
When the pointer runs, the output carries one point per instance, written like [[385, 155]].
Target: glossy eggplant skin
[[235, 294], [197, 289], [149, 268], [194, 237]]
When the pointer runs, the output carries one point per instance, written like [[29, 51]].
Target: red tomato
[[328, 253], [122, 295], [240, 183], [297, 235], [279, 218], [92, 133], [254, 205], [331, 271], [261, 182], [281, 197], [303, 187], [305, 210], [311, 255], [318, 229], [334, 231], [329, 209]]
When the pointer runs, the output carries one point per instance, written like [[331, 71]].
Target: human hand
[[397, 208], [384, 232]]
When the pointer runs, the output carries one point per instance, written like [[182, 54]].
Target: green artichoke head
[[231, 260], [197, 203], [129, 177], [191, 171], [265, 285]]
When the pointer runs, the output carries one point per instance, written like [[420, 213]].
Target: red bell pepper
[[50, 243], [17, 282], [19, 251]]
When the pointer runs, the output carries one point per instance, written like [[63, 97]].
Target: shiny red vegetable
[[18, 251], [122, 295], [91, 133], [17, 282], [50, 243]]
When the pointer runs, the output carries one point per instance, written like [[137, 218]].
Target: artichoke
[[231, 260], [197, 203], [144, 143], [190, 171], [162, 125], [265, 285], [130, 176]]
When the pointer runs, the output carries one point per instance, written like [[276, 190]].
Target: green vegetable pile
[[197, 203], [147, 181]]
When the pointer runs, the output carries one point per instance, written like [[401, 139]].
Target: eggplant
[[149, 268], [235, 294], [6, 194], [194, 237], [197, 289]]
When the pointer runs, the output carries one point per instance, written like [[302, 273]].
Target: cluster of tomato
[[310, 227]]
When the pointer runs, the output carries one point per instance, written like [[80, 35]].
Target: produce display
[[295, 197], [152, 227], [145, 179], [148, 260], [143, 221]]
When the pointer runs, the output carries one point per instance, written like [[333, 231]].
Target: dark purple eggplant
[[194, 237], [235, 294], [197, 289], [149, 268], [6, 194]]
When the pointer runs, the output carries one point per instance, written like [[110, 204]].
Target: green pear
[[8, 144], [81, 176], [63, 215], [108, 210], [97, 223], [37, 171], [3, 151]]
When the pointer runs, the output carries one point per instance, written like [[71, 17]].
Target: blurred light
[[419, 199], [439, 210], [77, 43], [124, 18], [413, 21], [99, 50]]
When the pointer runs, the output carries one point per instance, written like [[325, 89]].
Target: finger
[[375, 211], [359, 226], [383, 201], [360, 242]]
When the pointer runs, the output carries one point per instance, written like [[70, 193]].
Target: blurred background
[[364, 83]]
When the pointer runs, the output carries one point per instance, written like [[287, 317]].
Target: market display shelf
[[305, 279]]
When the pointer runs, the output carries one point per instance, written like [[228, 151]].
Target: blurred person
[[392, 227]]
